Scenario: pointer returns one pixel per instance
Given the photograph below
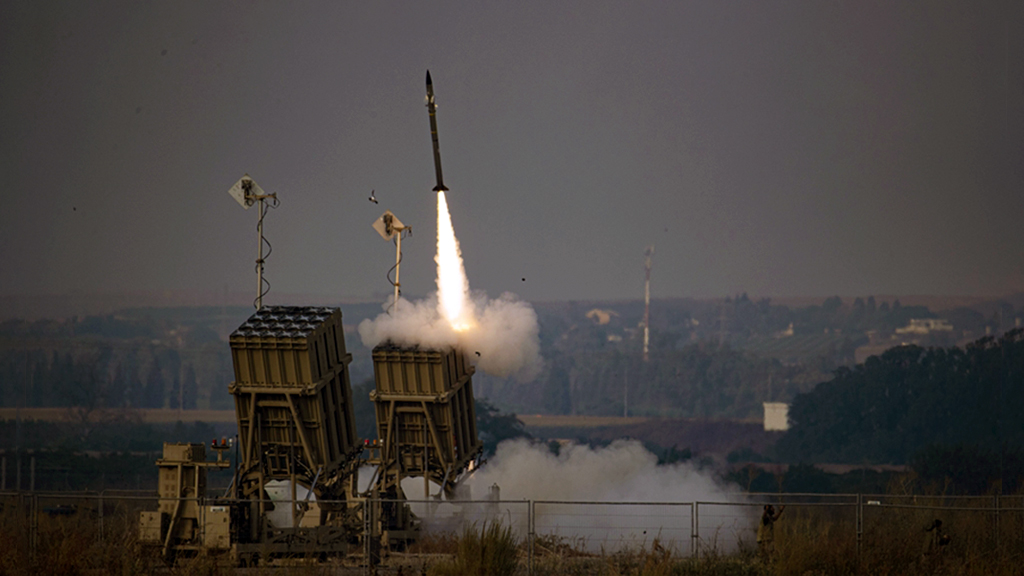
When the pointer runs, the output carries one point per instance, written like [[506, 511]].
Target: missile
[[432, 110]]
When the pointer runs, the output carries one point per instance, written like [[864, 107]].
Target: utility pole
[[647, 299]]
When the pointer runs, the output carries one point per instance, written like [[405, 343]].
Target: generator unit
[[183, 520]]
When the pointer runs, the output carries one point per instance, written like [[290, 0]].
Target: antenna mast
[[246, 192], [390, 227], [647, 298]]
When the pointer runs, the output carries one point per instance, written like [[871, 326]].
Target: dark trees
[[895, 405]]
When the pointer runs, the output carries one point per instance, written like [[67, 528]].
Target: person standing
[[934, 541], [766, 531]]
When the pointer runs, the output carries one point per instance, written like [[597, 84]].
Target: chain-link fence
[[100, 530], [613, 526]]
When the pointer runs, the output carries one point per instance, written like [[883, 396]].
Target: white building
[[926, 326], [776, 416]]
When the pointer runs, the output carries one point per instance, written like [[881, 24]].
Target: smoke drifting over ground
[[503, 339], [614, 497], [624, 471]]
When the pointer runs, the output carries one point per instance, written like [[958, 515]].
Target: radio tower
[[647, 298]]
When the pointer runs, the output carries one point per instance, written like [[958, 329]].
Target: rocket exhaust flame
[[499, 336], [452, 286]]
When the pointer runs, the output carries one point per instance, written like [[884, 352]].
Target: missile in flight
[[432, 110]]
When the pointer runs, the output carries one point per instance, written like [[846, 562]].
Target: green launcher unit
[[426, 420], [293, 402]]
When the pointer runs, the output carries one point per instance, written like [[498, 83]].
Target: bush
[[493, 551]]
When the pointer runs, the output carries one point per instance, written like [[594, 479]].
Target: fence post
[[694, 530], [995, 521], [33, 537], [860, 522], [530, 535], [101, 515]]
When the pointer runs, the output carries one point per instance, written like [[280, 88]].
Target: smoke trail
[[501, 337], [503, 340]]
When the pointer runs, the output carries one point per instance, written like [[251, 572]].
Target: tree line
[[106, 362], [896, 407]]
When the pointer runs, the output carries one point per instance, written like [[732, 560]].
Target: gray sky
[[784, 148]]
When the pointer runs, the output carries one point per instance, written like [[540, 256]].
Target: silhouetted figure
[[766, 531], [935, 540]]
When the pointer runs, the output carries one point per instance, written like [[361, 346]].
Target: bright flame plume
[[501, 336], [452, 286]]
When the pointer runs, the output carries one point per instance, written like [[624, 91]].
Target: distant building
[[601, 317], [926, 326], [776, 416]]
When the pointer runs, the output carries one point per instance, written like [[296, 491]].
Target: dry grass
[[810, 541], [68, 546], [442, 543], [493, 550]]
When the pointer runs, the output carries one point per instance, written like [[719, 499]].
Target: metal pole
[[32, 473], [398, 266], [694, 537], [647, 309], [995, 518], [291, 462], [101, 516], [426, 476], [367, 533], [3, 473], [34, 525], [647, 298], [860, 522], [259, 257], [531, 537], [258, 523]]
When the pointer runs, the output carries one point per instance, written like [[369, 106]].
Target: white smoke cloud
[[624, 471], [618, 476], [503, 342]]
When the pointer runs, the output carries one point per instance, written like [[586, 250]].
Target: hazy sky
[[779, 148]]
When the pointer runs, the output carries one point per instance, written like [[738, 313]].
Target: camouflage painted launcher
[[293, 398], [426, 420]]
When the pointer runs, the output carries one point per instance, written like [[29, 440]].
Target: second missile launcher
[[426, 419]]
